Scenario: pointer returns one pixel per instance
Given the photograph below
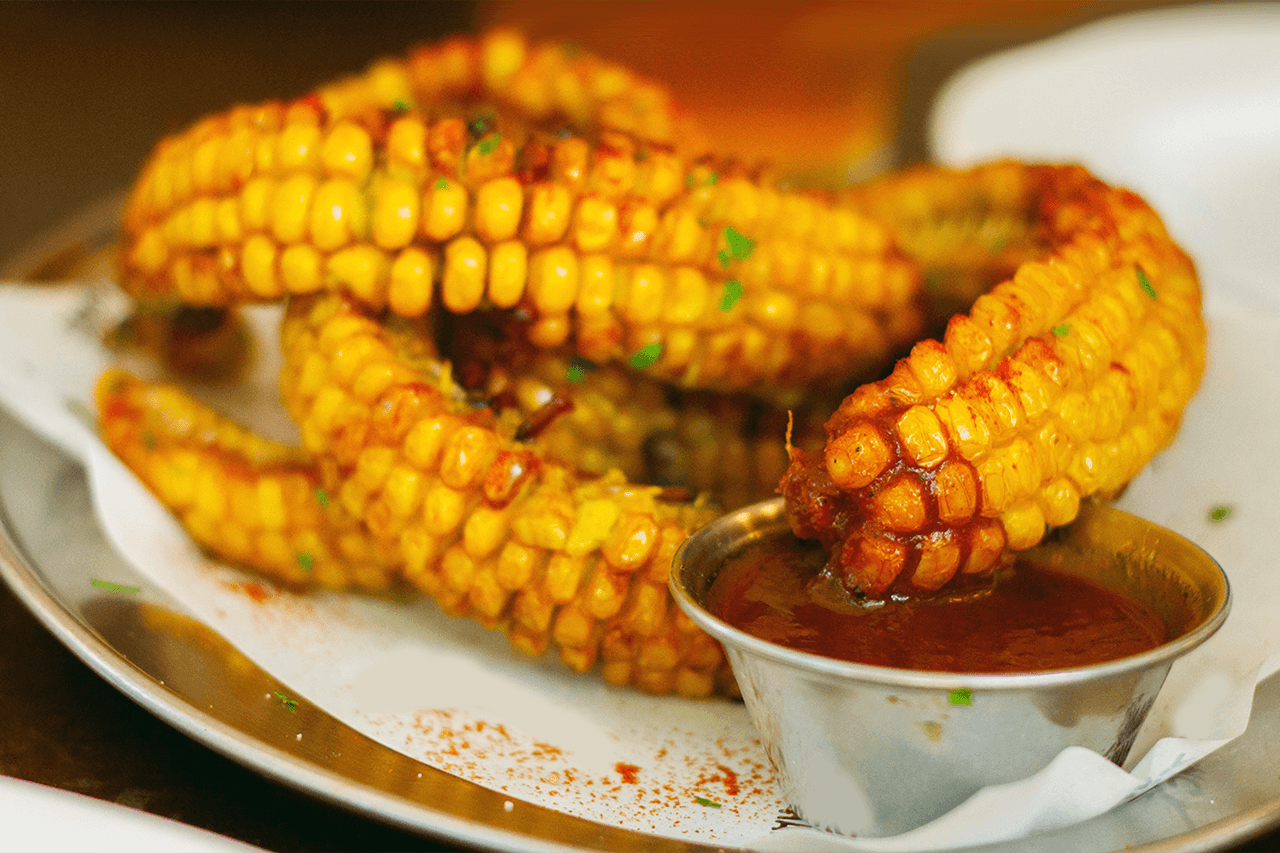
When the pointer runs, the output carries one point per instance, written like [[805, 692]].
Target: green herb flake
[[442, 183], [290, 705], [149, 440], [703, 801], [401, 106], [1221, 513], [322, 497], [960, 696], [306, 561], [732, 293], [724, 258], [489, 144], [115, 587], [1062, 330], [1146, 283], [713, 179], [648, 356], [740, 246]]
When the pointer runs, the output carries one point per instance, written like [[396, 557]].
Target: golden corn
[[1060, 384]]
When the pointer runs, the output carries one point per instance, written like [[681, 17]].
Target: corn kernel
[[508, 269], [499, 204], [347, 152], [395, 213], [411, 282], [553, 280], [463, 283], [444, 209], [857, 456]]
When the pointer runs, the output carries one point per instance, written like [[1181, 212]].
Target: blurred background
[[832, 91]]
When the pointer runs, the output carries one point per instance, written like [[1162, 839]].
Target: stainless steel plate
[[51, 548]]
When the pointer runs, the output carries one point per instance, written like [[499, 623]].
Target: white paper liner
[[456, 697]]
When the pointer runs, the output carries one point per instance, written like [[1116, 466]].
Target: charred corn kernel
[[463, 283], [553, 280], [508, 269], [395, 213], [444, 209], [900, 505], [499, 204], [347, 151], [939, 560], [857, 457], [411, 282]]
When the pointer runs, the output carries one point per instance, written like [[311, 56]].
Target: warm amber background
[[86, 88]]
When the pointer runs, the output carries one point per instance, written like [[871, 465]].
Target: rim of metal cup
[[755, 522]]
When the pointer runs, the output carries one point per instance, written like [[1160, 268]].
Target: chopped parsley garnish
[[479, 126], [306, 561], [724, 258], [149, 440], [703, 801], [489, 144], [578, 370], [115, 587], [442, 183], [1221, 513], [1062, 330], [401, 106], [740, 246], [732, 293], [960, 696], [322, 497], [290, 705], [648, 356], [1146, 283]]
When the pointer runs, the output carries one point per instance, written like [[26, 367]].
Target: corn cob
[[483, 523], [594, 418], [610, 242], [243, 499], [1060, 384]]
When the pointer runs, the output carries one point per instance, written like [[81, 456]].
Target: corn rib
[[1059, 385]]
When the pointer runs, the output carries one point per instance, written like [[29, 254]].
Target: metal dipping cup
[[874, 751]]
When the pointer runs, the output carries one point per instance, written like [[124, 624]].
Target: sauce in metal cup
[[875, 751]]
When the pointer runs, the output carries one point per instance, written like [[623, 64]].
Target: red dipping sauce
[[1029, 620]]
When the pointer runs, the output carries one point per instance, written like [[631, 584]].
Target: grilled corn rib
[[612, 242], [1059, 384], [244, 499], [485, 524]]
